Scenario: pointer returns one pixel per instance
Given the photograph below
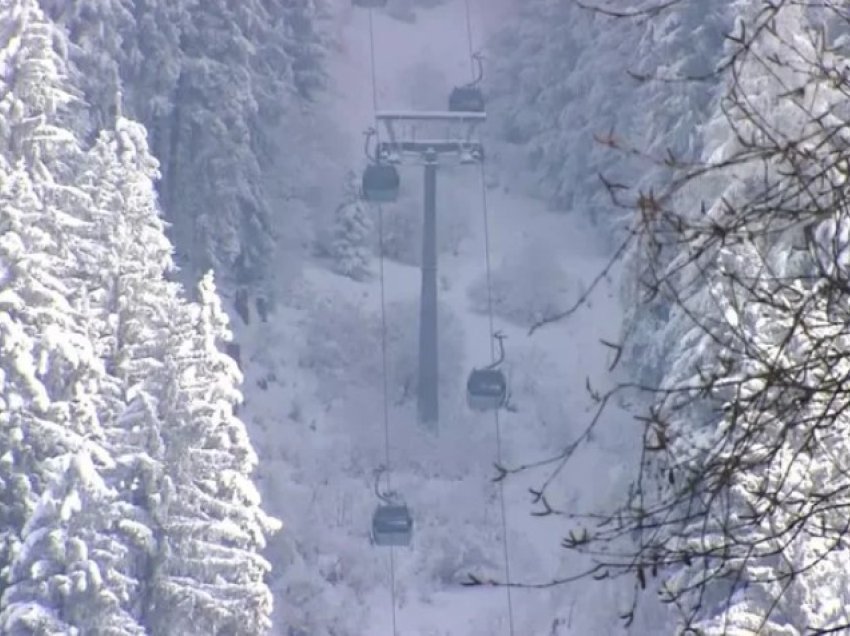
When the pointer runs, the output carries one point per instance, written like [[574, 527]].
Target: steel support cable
[[469, 40], [385, 390], [374, 73], [385, 393], [502, 505], [486, 218]]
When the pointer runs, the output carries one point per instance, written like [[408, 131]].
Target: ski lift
[[487, 388], [469, 98], [381, 181], [392, 523], [369, 4]]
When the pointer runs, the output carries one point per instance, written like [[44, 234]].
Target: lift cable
[[388, 465], [502, 505], [385, 392], [374, 73], [469, 40]]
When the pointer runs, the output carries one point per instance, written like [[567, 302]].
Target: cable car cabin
[[380, 183], [369, 4], [392, 525], [486, 390], [467, 99]]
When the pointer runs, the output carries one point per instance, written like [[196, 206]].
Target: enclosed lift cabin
[[487, 388], [392, 523], [381, 180], [469, 98]]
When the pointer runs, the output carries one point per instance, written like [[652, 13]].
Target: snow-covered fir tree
[[351, 242], [209, 80], [130, 318], [70, 574], [304, 45], [51, 370], [752, 425], [131, 45], [225, 215], [563, 77], [209, 574], [87, 318], [100, 36]]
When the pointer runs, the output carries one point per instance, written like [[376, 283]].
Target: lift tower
[[426, 138]]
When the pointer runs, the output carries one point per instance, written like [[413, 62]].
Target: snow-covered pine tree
[[83, 279], [50, 249], [685, 46], [150, 72], [209, 575], [779, 376], [130, 314], [560, 81], [134, 45], [208, 79], [351, 241], [225, 214], [50, 370], [131, 282], [304, 45], [69, 576], [30, 297], [100, 35], [731, 508]]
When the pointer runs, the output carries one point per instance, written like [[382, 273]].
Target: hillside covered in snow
[[210, 336]]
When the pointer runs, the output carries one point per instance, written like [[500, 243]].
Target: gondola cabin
[[380, 183], [392, 525], [486, 389], [468, 99]]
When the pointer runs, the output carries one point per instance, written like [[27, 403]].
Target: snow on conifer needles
[[738, 515], [125, 475]]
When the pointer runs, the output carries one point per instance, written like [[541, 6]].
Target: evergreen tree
[[351, 240], [209, 80], [303, 46], [70, 574], [92, 336], [762, 318], [225, 214], [565, 77], [50, 370], [130, 318], [739, 508], [209, 573], [128, 44], [101, 37]]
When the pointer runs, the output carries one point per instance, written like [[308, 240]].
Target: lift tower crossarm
[[412, 134], [430, 115]]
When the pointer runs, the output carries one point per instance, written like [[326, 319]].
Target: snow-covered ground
[[313, 384]]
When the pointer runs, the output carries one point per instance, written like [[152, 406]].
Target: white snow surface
[[314, 400]]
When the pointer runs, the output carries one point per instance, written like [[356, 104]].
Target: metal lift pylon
[[452, 136]]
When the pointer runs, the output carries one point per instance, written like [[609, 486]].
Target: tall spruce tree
[[210, 576], [351, 240], [53, 373]]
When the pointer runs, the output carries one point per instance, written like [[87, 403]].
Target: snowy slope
[[313, 386]]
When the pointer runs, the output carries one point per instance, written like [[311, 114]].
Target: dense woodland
[[720, 147], [127, 500], [710, 142]]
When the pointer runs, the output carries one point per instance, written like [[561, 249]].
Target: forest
[[214, 329]]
